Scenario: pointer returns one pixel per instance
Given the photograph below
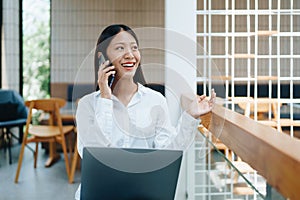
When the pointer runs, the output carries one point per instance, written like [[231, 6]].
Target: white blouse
[[143, 123]]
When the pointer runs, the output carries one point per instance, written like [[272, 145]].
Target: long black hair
[[103, 42]]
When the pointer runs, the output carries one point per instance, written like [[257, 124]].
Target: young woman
[[124, 113]]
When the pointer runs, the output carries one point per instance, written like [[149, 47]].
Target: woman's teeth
[[128, 65]]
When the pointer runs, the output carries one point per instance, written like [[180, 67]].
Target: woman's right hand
[[103, 73], [198, 105]]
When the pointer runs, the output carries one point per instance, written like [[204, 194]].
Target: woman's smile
[[128, 65]]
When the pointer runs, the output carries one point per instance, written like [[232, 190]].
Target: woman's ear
[[99, 54]]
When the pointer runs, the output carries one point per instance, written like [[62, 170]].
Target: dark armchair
[[13, 113]]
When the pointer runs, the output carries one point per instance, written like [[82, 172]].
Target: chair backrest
[[51, 106], [8, 111], [47, 105], [11, 106], [76, 91], [247, 104], [157, 87]]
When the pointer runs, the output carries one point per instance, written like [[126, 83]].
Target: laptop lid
[[115, 173]]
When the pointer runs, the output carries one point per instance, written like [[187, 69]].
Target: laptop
[[129, 174]]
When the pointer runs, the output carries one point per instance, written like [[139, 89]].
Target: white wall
[[180, 75], [10, 45]]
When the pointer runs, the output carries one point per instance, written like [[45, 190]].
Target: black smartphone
[[111, 77]]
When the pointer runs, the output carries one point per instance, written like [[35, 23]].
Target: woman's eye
[[135, 48], [119, 48]]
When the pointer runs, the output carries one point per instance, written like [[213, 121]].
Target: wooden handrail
[[274, 155]]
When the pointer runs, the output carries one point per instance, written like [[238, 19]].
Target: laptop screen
[[115, 173]]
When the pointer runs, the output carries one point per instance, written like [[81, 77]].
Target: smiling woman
[[128, 114], [102, 49], [124, 56]]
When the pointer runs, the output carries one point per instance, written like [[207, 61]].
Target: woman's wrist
[[105, 96], [192, 114]]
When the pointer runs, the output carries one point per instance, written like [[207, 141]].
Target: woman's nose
[[128, 54]]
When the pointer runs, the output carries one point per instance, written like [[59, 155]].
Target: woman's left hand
[[201, 105]]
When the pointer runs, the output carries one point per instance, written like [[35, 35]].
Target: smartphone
[[111, 77]]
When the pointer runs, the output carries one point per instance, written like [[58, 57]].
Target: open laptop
[[129, 174]]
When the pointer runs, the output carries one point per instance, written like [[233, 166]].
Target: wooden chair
[[264, 106], [53, 132]]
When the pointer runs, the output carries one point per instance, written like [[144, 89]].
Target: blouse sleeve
[[94, 122], [179, 137]]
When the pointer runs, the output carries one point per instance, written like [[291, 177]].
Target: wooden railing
[[274, 155]]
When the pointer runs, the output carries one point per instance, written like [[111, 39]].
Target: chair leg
[[9, 146], [63, 144], [36, 153], [20, 162], [21, 132], [7, 142], [74, 163]]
